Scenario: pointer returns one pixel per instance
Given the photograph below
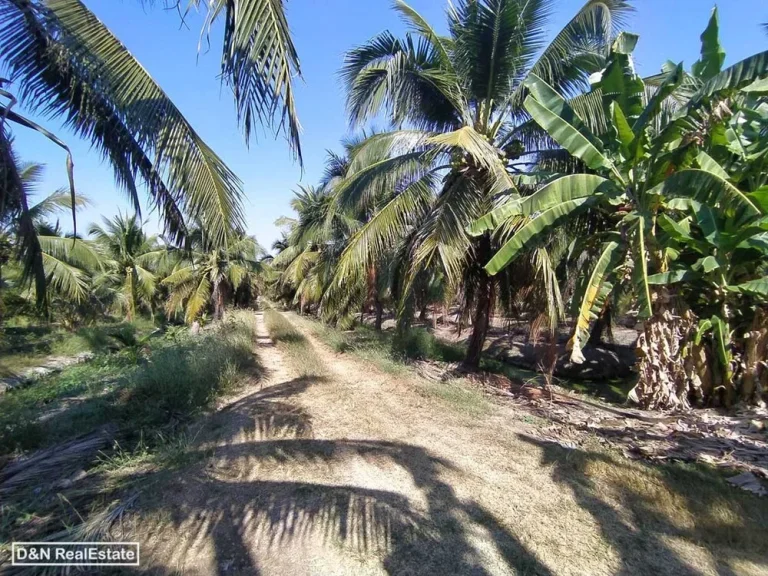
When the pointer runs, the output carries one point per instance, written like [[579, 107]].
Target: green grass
[[26, 345], [458, 395], [296, 348], [166, 381], [392, 352], [150, 393], [387, 350]]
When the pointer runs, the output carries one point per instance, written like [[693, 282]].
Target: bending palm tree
[[460, 101]]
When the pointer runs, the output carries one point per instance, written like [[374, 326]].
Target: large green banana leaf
[[554, 102], [557, 192], [737, 76], [534, 231], [712, 53], [567, 135], [709, 189]]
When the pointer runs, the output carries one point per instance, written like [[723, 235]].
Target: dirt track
[[361, 472]]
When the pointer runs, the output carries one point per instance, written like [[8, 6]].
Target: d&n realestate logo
[[75, 554]]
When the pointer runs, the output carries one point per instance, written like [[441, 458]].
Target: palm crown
[[456, 104]]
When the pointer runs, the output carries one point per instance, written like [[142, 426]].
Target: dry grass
[[296, 348]]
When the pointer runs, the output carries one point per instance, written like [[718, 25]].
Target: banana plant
[[650, 155], [719, 265]]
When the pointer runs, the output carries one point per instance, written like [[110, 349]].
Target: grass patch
[[420, 344], [150, 395], [296, 348], [168, 380], [27, 346], [459, 396], [387, 350]]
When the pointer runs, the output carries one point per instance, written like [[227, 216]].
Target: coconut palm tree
[[461, 134], [64, 63], [314, 242], [127, 280], [64, 264], [209, 276]]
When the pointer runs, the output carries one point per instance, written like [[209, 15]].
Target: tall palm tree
[[460, 134], [63, 62], [208, 275], [129, 257]]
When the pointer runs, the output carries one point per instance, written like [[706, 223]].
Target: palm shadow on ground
[[656, 507], [220, 501]]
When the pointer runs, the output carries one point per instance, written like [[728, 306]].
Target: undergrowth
[[29, 345], [161, 383], [148, 394]]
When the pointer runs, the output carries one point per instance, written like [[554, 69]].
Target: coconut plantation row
[[518, 324]]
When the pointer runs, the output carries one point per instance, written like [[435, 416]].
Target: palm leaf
[[66, 279], [563, 62], [385, 228], [259, 62], [90, 56], [80, 253]]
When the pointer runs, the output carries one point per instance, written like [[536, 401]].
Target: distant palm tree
[[212, 276], [64, 63], [456, 102], [64, 263], [129, 257]]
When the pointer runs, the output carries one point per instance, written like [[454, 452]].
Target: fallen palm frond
[[56, 462]]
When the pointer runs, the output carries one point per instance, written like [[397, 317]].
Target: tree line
[[547, 182]]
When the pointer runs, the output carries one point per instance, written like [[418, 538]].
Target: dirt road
[[355, 471]]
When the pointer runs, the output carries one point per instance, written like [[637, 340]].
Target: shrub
[[414, 344], [180, 379]]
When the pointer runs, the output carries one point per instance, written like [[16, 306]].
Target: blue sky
[[323, 30]]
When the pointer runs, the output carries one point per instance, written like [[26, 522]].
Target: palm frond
[[259, 62], [67, 63]]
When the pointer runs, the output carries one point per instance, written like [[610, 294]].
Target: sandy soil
[[361, 472]]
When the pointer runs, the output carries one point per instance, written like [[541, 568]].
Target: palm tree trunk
[[379, 313], [485, 296], [480, 321], [219, 300]]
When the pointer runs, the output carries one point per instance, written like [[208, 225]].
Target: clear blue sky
[[323, 30]]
